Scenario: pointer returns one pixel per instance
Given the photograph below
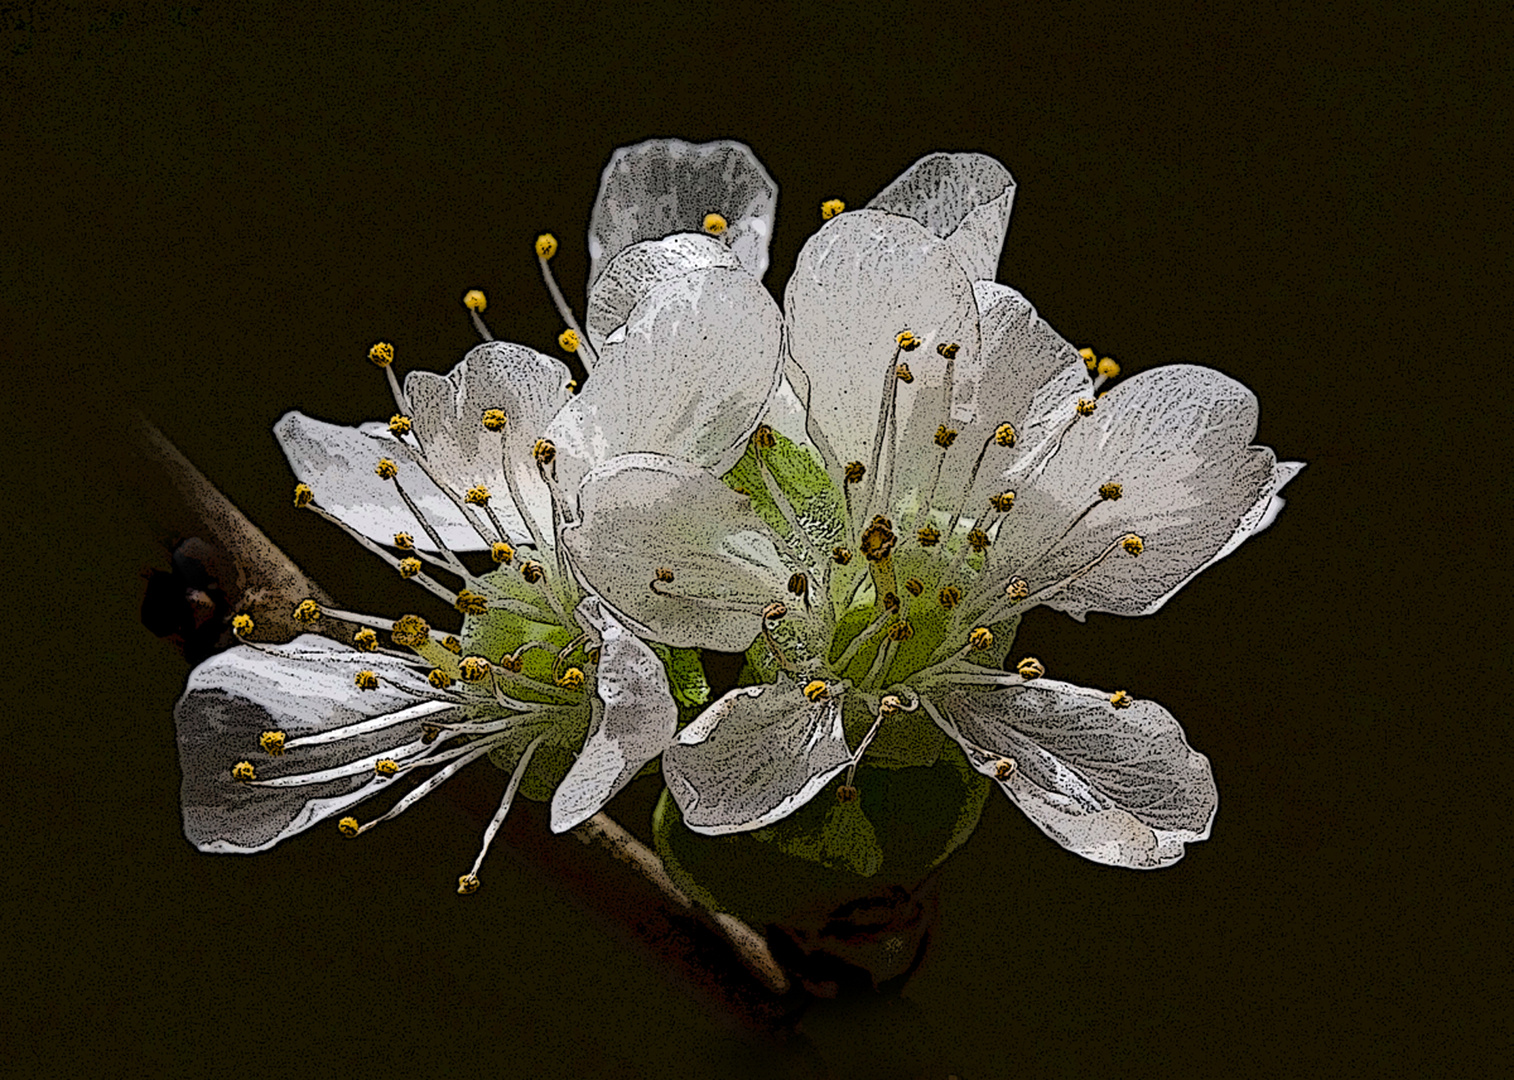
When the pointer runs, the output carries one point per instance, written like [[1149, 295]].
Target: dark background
[[212, 213]]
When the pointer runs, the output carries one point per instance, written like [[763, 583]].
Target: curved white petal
[[1178, 442], [963, 198], [640, 268], [302, 689], [338, 464], [665, 186], [754, 757], [645, 512], [699, 362], [863, 278], [634, 720], [1117, 786]]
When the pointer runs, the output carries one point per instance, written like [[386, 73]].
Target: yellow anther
[[948, 349], [546, 246], [1004, 768], [950, 597], [531, 571], [799, 584], [348, 826], [452, 645], [774, 611], [408, 568], [511, 662], [763, 439], [1030, 668], [439, 678], [303, 496], [243, 771], [382, 354], [1017, 589], [475, 300], [467, 884], [1002, 501], [366, 640], [501, 552], [1110, 492], [272, 743], [714, 224], [430, 733], [977, 540], [846, 793], [571, 679], [889, 705], [399, 425], [1133, 544], [904, 374], [366, 680], [242, 625], [878, 540], [386, 767], [830, 208], [593, 655], [475, 669], [1103, 394], [307, 612], [411, 631], [545, 451], [945, 436], [982, 638], [901, 631], [841, 556], [855, 471], [906, 341], [1121, 699], [470, 603], [1087, 355], [664, 574], [404, 541], [1108, 368], [915, 586], [477, 495], [386, 469], [572, 386], [1086, 406], [929, 536], [891, 603], [494, 419], [1004, 435], [816, 690], [568, 339]]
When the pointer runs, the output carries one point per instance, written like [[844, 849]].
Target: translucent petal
[[645, 512], [963, 198], [1118, 786], [665, 186], [700, 360], [301, 689], [1177, 441], [863, 278], [634, 720], [754, 757], [640, 268]]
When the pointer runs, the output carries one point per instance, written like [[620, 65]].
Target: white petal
[[665, 186], [644, 512], [1177, 440], [302, 688], [1118, 786], [640, 268], [338, 462], [963, 198], [754, 757], [700, 360], [863, 278], [634, 720]]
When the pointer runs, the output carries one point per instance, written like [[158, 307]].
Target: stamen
[[1110, 492], [452, 645], [846, 793], [409, 568], [303, 496], [382, 354], [348, 826], [950, 597], [272, 743], [411, 631], [1003, 501], [475, 301], [1004, 769], [439, 679], [572, 679], [1004, 435], [929, 536], [816, 690], [546, 247], [1017, 589], [475, 669], [904, 341], [714, 224], [841, 556], [981, 639], [366, 680], [243, 772], [1107, 369], [242, 625], [404, 541], [1121, 699], [904, 374], [915, 586], [494, 419], [1086, 406], [830, 208], [1088, 357], [399, 425], [469, 602], [468, 883], [307, 612], [569, 341], [474, 750], [501, 553], [386, 768]]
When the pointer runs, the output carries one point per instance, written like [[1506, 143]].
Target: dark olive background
[[211, 213]]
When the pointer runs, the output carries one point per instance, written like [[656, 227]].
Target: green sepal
[[846, 838], [801, 479]]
